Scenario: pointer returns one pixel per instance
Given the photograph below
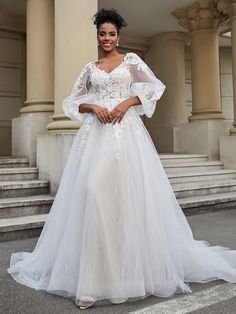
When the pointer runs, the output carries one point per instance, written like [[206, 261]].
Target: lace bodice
[[113, 85], [131, 78]]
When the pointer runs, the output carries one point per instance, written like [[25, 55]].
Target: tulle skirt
[[115, 229]]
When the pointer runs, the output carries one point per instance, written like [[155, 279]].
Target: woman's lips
[[106, 44]]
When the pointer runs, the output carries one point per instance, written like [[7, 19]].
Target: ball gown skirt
[[115, 229]]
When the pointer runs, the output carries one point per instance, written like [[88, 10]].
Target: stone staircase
[[199, 184], [24, 199]]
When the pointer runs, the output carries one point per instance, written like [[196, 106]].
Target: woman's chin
[[108, 49]]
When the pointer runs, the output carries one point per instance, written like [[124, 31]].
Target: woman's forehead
[[107, 27]]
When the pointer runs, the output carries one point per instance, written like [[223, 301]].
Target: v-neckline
[[108, 73]]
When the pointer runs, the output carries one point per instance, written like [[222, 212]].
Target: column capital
[[228, 7], [203, 14]]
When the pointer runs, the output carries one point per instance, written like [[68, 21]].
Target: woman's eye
[[109, 34]]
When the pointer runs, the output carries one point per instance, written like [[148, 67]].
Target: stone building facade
[[45, 43]]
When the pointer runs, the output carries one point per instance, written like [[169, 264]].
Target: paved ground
[[215, 297]]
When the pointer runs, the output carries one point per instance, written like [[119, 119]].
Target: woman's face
[[107, 37]]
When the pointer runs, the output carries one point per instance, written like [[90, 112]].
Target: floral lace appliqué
[[82, 137], [116, 135]]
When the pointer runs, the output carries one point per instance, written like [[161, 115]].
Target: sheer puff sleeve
[[145, 85], [81, 94]]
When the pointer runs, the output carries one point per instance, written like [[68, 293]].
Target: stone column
[[202, 20], [205, 75], [75, 45], [38, 107], [166, 57], [233, 42], [228, 143]]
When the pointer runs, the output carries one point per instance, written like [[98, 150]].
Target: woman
[[115, 231]]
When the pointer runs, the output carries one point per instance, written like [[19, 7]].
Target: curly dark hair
[[109, 16]]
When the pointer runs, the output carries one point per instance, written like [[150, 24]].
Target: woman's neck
[[110, 54]]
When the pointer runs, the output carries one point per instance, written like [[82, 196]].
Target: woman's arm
[[84, 108], [80, 96], [132, 101], [145, 85], [102, 113], [119, 111]]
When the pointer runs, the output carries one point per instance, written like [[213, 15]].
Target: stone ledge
[[19, 170], [26, 201], [202, 176], [19, 223], [208, 203], [5, 185]]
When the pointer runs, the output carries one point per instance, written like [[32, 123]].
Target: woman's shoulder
[[129, 56], [87, 67], [132, 58], [85, 72]]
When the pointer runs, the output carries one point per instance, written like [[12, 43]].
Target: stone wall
[[226, 82], [12, 75]]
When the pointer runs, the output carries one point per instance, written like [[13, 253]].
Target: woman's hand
[[102, 113], [118, 112]]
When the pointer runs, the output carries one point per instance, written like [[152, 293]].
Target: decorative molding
[[227, 7], [167, 36], [224, 27], [11, 65], [134, 43], [203, 14], [5, 123], [4, 33], [10, 94], [13, 22]]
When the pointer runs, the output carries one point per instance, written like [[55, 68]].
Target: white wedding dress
[[115, 229]]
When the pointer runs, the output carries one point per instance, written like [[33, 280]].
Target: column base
[[62, 125], [39, 105], [228, 151], [206, 116], [52, 153], [202, 137], [25, 130]]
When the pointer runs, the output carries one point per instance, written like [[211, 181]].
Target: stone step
[[30, 226], [18, 174], [21, 227], [13, 162], [23, 188], [203, 188], [25, 206], [203, 176], [182, 158], [213, 202], [186, 167]]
